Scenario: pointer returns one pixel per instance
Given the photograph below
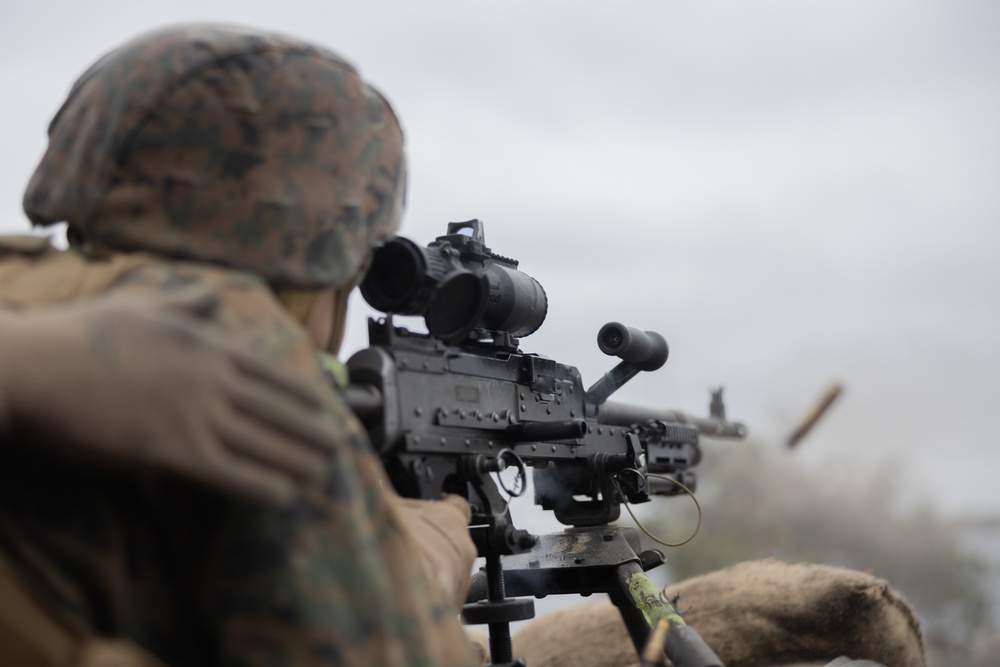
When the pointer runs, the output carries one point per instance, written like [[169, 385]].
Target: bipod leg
[[642, 604], [498, 612]]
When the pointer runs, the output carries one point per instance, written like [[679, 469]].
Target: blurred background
[[792, 193]]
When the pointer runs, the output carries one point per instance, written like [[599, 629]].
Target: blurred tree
[[757, 503]]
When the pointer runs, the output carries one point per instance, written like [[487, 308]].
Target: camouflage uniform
[[258, 164]]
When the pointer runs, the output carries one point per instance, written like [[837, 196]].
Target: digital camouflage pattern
[[198, 578], [261, 153], [230, 146]]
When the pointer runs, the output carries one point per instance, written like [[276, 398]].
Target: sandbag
[[756, 614]]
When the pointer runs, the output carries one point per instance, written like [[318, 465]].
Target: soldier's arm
[[147, 383]]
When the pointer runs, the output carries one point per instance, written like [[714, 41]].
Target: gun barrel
[[623, 414]]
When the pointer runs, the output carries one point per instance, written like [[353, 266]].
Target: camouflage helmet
[[226, 145]]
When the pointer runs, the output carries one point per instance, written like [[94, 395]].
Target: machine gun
[[451, 409]]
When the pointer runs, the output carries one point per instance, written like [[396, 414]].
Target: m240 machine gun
[[451, 409]]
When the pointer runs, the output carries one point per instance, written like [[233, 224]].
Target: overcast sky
[[790, 192]]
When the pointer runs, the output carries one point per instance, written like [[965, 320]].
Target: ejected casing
[[806, 425]]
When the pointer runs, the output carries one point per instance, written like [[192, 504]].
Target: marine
[[246, 176]]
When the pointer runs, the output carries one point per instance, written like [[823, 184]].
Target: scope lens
[[394, 275], [456, 306]]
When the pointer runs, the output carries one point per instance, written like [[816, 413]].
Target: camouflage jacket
[[198, 578]]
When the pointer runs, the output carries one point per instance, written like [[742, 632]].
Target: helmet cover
[[226, 145]]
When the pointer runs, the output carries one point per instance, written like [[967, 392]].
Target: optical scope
[[458, 285]]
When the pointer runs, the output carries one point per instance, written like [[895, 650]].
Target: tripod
[[582, 561]]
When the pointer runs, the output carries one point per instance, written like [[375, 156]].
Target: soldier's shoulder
[[248, 311]]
